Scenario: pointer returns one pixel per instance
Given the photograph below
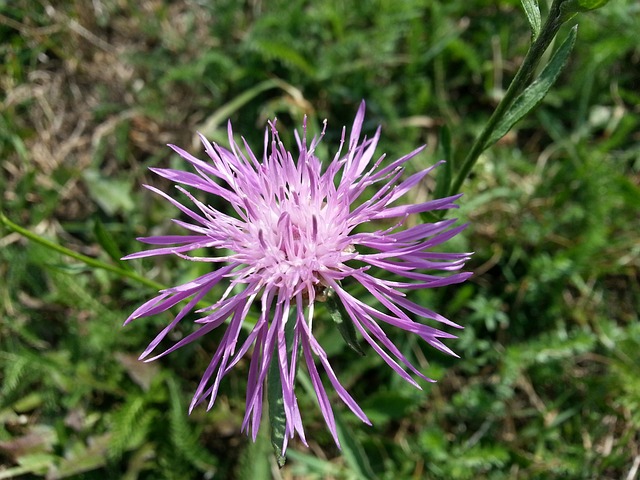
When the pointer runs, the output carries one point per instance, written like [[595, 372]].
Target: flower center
[[292, 242]]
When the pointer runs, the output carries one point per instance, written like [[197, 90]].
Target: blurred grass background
[[548, 384]]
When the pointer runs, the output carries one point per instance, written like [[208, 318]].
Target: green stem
[[78, 256], [523, 77], [248, 324]]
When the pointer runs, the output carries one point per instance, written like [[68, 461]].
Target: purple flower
[[291, 236]]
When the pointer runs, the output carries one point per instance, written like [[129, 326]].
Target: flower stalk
[[89, 261], [557, 16]]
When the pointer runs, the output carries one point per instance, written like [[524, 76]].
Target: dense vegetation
[[548, 383]]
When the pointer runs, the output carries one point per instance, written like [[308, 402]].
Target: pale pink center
[[292, 240]]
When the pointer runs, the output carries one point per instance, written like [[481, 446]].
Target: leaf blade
[[532, 11], [535, 92], [108, 243]]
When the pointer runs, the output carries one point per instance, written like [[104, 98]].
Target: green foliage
[[535, 92], [532, 10], [548, 383], [184, 438]]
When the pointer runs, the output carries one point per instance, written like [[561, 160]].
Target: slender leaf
[[277, 418], [443, 180], [353, 451], [532, 10], [287, 54], [37, 463], [106, 241], [254, 459], [113, 195], [346, 328], [209, 127], [183, 436], [582, 5], [307, 465], [536, 91]]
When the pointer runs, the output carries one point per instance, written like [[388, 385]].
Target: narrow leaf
[[535, 92], [209, 127], [184, 438], [113, 195], [443, 180], [225, 111], [345, 327], [571, 8], [277, 418], [353, 451], [106, 241], [575, 6], [275, 396], [532, 11], [254, 459], [285, 53]]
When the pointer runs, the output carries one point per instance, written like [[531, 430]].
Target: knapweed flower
[[298, 228]]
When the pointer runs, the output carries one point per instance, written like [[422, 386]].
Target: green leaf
[[532, 11], [111, 194], [346, 328], [353, 451], [535, 92], [572, 7], [313, 467], [81, 457], [285, 53], [106, 241], [254, 460], [126, 422], [277, 418], [183, 436], [575, 6], [394, 404], [37, 463], [209, 127], [443, 180]]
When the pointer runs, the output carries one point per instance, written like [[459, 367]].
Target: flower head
[[292, 235]]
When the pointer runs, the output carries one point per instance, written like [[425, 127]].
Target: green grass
[[548, 383]]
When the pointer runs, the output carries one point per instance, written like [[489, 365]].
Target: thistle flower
[[293, 236]]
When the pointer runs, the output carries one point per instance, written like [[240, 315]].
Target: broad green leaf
[[535, 92], [394, 404], [532, 11], [81, 457]]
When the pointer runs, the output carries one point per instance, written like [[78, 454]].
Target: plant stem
[[78, 256], [518, 84]]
